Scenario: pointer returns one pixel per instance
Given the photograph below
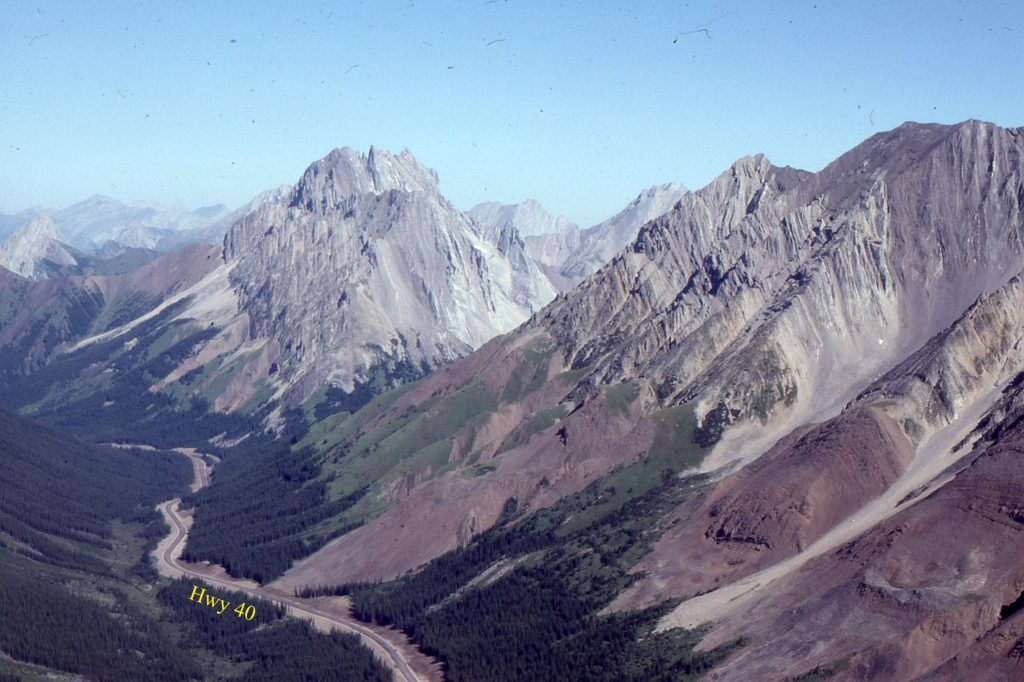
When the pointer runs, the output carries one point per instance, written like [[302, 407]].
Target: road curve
[[170, 545]]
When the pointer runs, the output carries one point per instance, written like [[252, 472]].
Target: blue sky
[[579, 105]]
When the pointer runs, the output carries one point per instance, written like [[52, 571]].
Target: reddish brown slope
[[36, 317], [921, 593], [165, 275], [429, 516], [774, 507]]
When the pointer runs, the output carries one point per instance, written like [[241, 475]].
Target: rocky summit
[[36, 249], [365, 272], [359, 277]]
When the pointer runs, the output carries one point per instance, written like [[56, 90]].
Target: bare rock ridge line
[[851, 336], [566, 253], [756, 290], [359, 277], [168, 553]]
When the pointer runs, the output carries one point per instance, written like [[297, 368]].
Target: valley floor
[[325, 613]]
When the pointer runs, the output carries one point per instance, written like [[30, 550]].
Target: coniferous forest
[[252, 519], [270, 648], [540, 620], [77, 590]]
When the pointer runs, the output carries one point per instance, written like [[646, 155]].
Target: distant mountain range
[[358, 278], [99, 223]]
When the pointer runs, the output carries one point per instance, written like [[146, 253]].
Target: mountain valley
[[766, 429]]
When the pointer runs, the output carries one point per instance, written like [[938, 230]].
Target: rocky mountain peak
[[872, 250], [36, 241], [529, 218], [402, 172], [42, 227], [598, 244], [346, 173], [385, 277]]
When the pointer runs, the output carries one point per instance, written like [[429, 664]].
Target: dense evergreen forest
[[43, 623], [118, 406], [538, 619], [269, 648], [252, 518], [78, 594], [58, 499], [58, 495]]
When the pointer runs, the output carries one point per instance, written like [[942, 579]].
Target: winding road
[[169, 564]]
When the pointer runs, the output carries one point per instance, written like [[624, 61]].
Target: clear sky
[[579, 105]]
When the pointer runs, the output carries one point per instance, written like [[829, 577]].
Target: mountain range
[[766, 429], [359, 277], [838, 351], [99, 222]]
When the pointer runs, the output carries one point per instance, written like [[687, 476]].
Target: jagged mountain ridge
[[358, 278], [878, 296], [598, 244], [754, 290], [853, 336], [566, 253], [378, 263]]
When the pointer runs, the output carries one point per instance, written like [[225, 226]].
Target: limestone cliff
[[364, 271]]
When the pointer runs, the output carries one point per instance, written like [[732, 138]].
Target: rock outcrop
[[36, 250], [774, 296], [366, 273], [932, 592]]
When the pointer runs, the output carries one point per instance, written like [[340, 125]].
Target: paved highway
[[170, 565]]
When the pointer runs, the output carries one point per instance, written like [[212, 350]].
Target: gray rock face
[[565, 253], [600, 243], [774, 295], [35, 249], [364, 272], [547, 240], [529, 218], [960, 366]]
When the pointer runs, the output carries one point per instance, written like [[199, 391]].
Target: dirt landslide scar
[[220, 605]]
